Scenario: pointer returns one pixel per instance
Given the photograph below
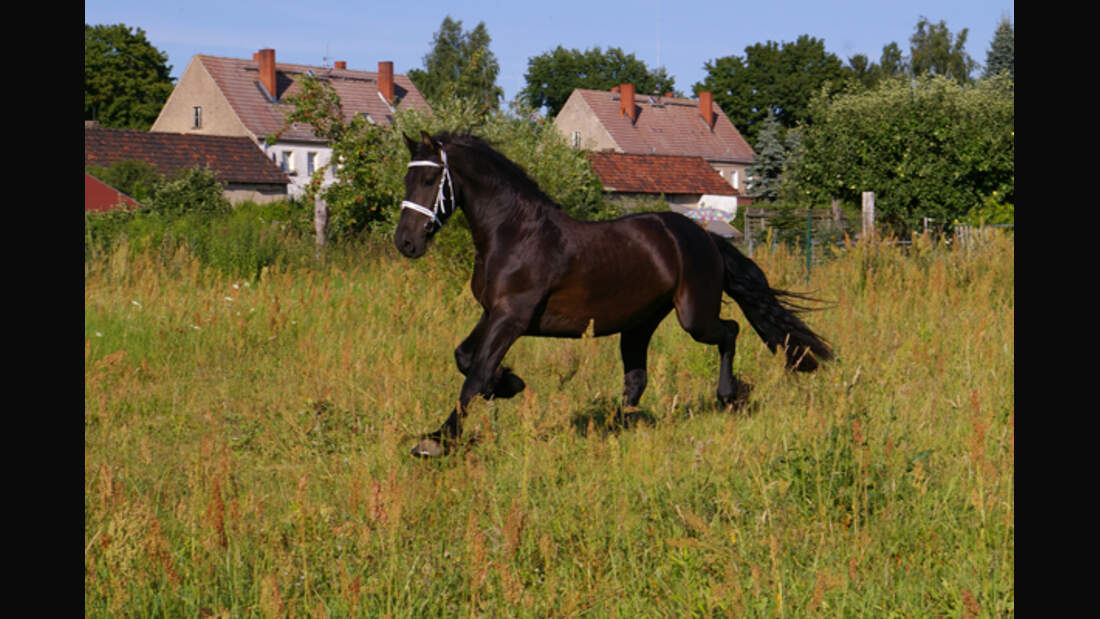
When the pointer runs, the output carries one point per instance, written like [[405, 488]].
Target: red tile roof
[[99, 196], [233, 159], [667, 174], [668, 126], [358, 92]]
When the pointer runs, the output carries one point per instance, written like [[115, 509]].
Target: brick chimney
[[385, 81], [265, 58], [340, 64], [706, 108], [626, 102]]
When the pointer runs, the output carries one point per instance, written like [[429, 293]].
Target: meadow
[[247, 449]]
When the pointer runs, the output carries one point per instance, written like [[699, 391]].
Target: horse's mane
[[511, 175]]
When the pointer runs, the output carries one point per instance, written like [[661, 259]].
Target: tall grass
[[247, 437]]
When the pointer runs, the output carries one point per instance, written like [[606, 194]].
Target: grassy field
[[246, 450]]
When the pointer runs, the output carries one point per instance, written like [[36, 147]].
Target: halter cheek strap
[[440, 207]]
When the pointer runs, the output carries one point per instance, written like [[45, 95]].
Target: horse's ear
[[427, 140], [410, 143]]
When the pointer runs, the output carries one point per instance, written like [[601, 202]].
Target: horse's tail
[[770, 311]]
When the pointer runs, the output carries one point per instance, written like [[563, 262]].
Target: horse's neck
[[486, 210]]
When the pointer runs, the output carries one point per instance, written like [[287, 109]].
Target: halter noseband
[[440, 209]]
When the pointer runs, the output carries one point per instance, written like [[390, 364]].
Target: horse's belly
[[623, 274], [598, 310]]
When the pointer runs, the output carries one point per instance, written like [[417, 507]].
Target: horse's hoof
[[428, 448], [739, 398], [509, 385]]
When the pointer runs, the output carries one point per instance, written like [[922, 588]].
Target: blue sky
[[681, 36]]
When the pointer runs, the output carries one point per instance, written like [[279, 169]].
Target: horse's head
[[429, 196]]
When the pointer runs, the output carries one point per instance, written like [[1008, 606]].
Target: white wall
[[297, 170]]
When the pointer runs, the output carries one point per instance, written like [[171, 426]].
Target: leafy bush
[[192, 190], [241, 241], [927, 148], [136, 179]]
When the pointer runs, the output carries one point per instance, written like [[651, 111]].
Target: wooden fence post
[[868, 215], [320, 221]]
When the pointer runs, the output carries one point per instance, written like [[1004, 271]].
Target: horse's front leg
[[504, 383], [499, 332]]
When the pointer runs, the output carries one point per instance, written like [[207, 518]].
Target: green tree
[[781, 78], [1001, 57], [365, 162], [126, 79], [928, 147], [460, 65], [892, 62], [862, 71], [866, 74], [552, 76], [935, 51]]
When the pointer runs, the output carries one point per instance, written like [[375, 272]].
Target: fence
[[812, 228]]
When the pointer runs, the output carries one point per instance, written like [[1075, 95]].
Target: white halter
[[440, 205]]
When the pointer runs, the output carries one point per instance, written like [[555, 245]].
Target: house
[[235, 161], [247, 98], [99, 196], [689, 185], [621, 121]]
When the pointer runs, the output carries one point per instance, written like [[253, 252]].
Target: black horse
[[537, 271]]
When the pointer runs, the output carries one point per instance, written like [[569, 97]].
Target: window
[[576, 139], [287, 161], [734, 179], [311, 163], [196, 122]]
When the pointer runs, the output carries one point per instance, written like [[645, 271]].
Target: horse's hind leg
[[729, 388], [634, 347], [704, 326]]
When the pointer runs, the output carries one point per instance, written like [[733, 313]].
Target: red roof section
[[668, 126], [99, 196], [233, 159], [667, 174], [358, 92]]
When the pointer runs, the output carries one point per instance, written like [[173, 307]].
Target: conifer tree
[[1001, 57], [764, 174]]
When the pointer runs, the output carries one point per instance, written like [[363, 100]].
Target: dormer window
[[268, 96]]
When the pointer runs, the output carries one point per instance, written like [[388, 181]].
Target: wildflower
[[135, 303]]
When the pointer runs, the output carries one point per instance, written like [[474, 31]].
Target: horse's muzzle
[[409, 245]]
